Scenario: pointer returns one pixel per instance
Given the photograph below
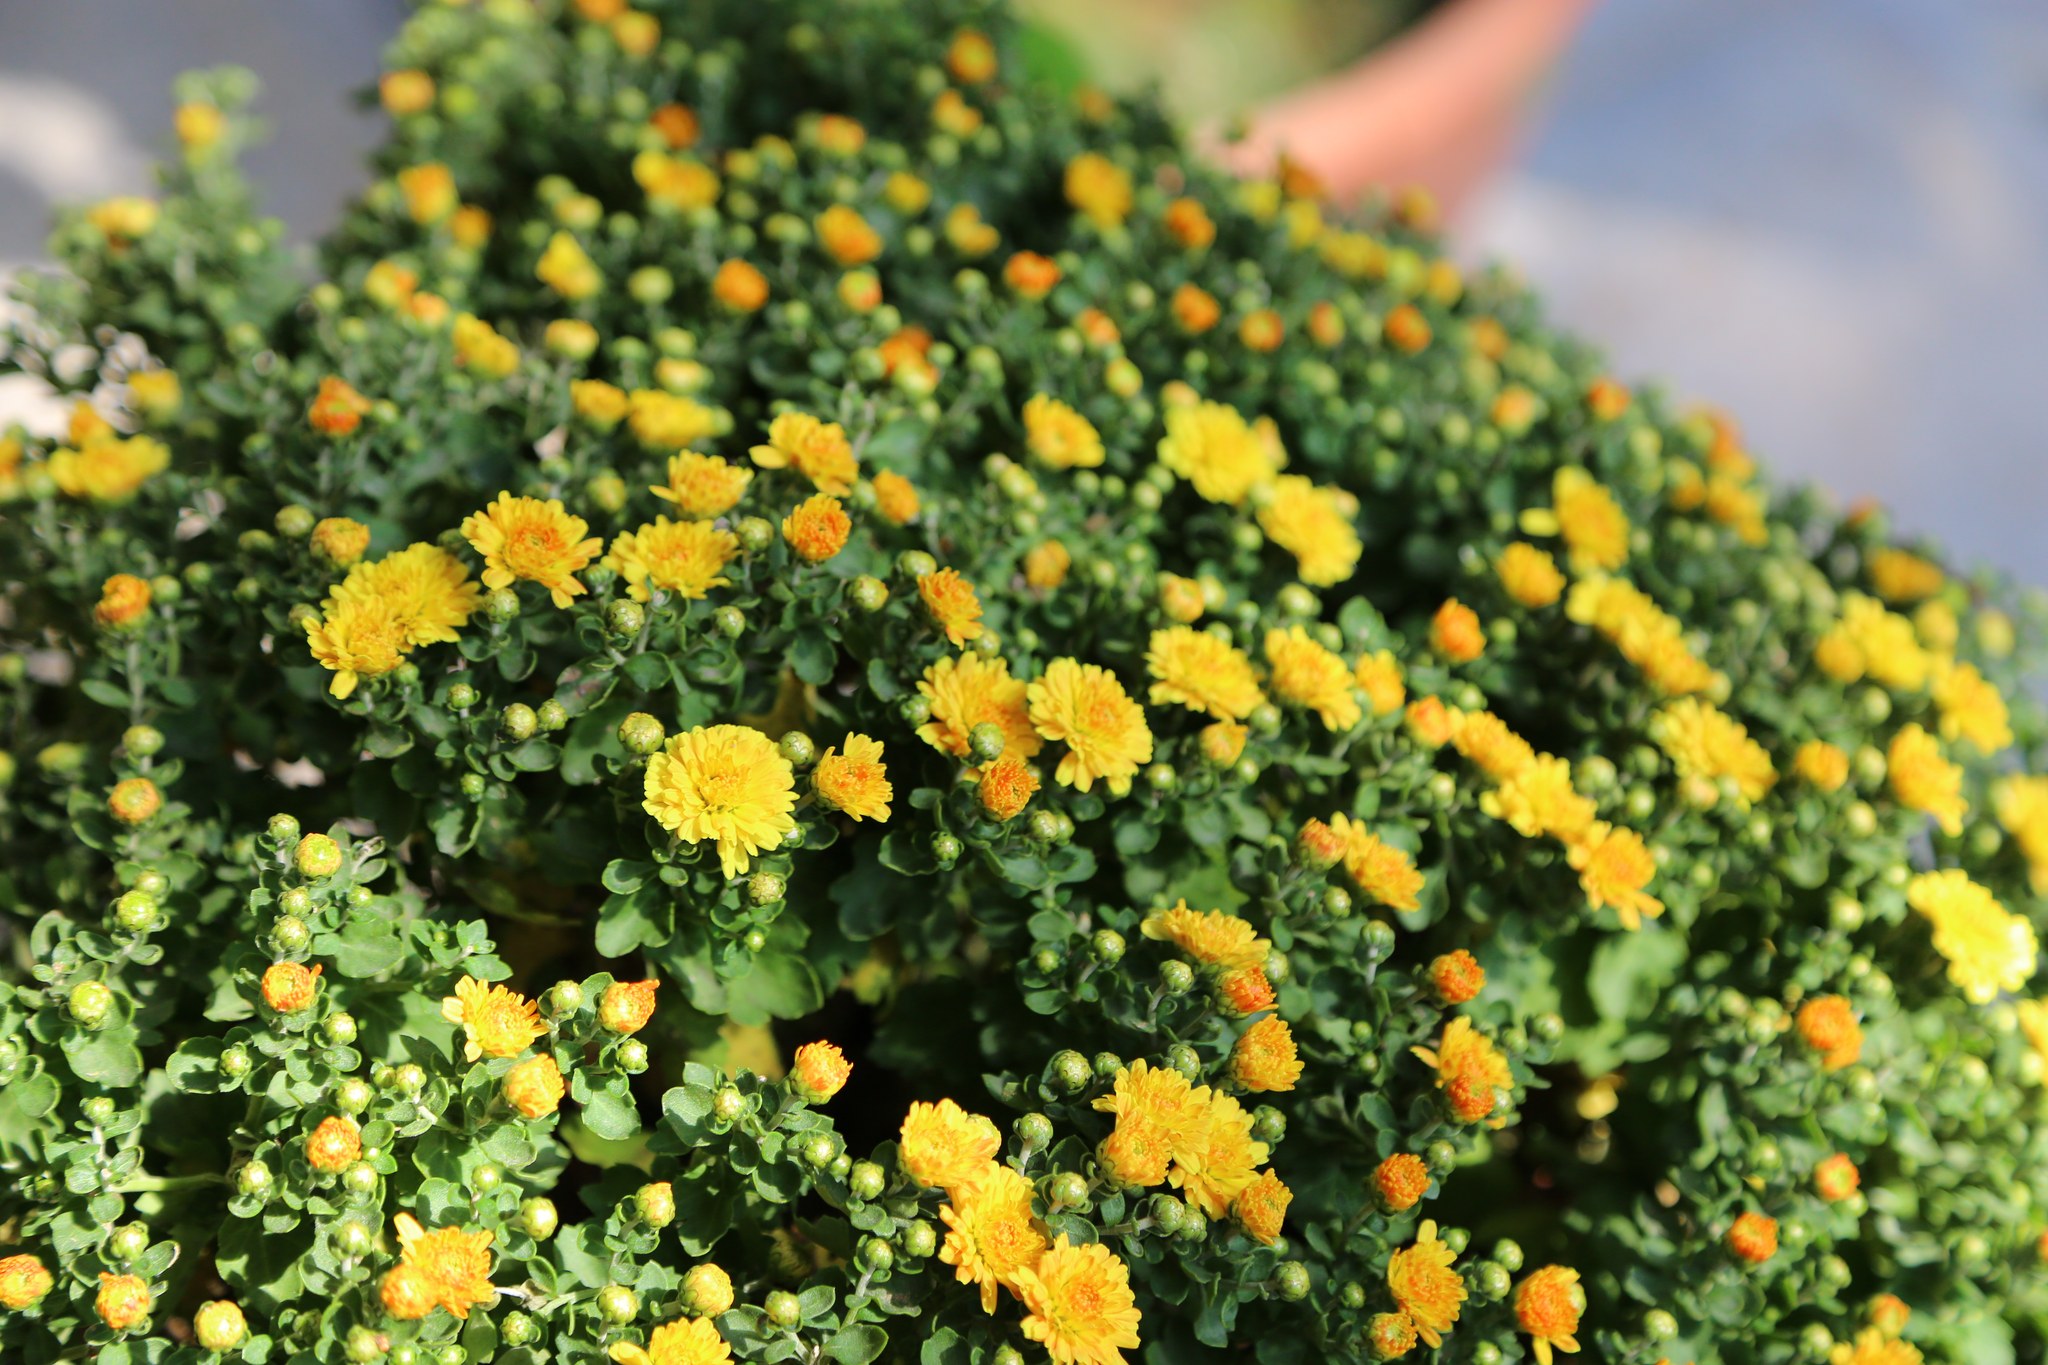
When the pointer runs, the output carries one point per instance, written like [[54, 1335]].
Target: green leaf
[[636, 920], [195, 1067], [857, 1343], [1630, 971], [110, 1058], [609, 1113]]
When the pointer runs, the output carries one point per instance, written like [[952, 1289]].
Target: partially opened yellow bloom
[[526, 538]]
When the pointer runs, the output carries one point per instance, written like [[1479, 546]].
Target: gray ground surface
[[1829, 217]]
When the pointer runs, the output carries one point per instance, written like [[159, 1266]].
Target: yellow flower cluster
[[1988, 948], [1647, 636], [385, 609]]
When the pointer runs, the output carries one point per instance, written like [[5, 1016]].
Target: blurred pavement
[[1830, 218]]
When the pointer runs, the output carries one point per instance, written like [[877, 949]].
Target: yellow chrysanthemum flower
[[1646, 635], [1706, 743], [1160, 1116], [703, 486], [1261, 1207], [1971, 708], [1469, 1069], [950, 601], [1210, 937], [1214, 1167], [1058, 435], [108, 471], [1087, 709], [429, 192], [2021, 804], [356, 640], [1988, 948], [1195, 669], [481, 347], [1315, 525], [895, 498], [496, 1022], [855, 781], [1595, 529], [818, 1071], [526, 538], [1823, 764], [1382, 871], [686, 1341], [817, 528], [1424, 1286], [942, 1146], [724, 784], [1215, 449], [1903, 577], [1548, 1305], [1489, 745], [668, 421], [678, 184], [1869, 641], [1614, 867], [1099, 189], [1530, 575], [1264, 1056], [1306, 675], [455, 1266], [426, 588], [817, 450], [1379, 676], [1873, 1347], [685, 558], [567, 269], [991, 1232], [2033, 1019], [970, 690], [1078, 1304], [1540, 800], [1923, 780], [535, 1087]]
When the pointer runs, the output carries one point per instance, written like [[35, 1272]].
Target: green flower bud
[[519, 1329], [501, 606], [353, 1095], [641, 733], [868, 593], [1106, 946], [730, 622], [253, 1179], [290, 934], [985, 742], [220, 1326], [918, 1240], [728, 1105], [360, 1178], [798, 748], [624, 618], [655, 1204], [518, 722], [1176, 977], [1066, 1190], [1069, 1071], [617, 1304], [283, 829], [135, 912], [765, 888], [783, 1309], [352, 1237], [339, 1029], [633, 1056], [916, 564], [142, 741], [235, 1062], [91, 1003], [946, 849], [538, 1219], [1290, 1280]]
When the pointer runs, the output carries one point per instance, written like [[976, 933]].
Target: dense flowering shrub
[[909, 727]]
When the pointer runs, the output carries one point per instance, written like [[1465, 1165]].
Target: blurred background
[[1829, 218]]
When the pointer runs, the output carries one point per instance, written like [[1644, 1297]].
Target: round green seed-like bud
[[1106, 946], [519, 1329], [1070, 1071], [253, 1179], [339, 1028], [916, 564], [142, 741], [1508, 1253], [538, 1219], [730, 622], [1183, 1058], [633, 1056], [866, 1180], [91, 1003], [655, 1204], [754, 941], [1176, 977], [914, 710], [354, 1238], [235, 1062], [946, 849], [641, 733], [1035, 1130], [728, 1105], [518, 722], [1486, 1353], [220, 1326], [135, 912], [1106, 1065], [755, 534], [1290, 1279], [766, 888], [1066, 1190], [1457, 1239], [617, 1304], [487, 1177], [1168, 1213], [1816, 1341], [624, 618], [290, 934], [1194, 1226], [783, 1309], [1043, 826], [868, 593], [819, 1151], [918, 1240], [798, 748], [99, 1110], [501, 606], [128, 1243], [1378, 940], [353, 1095], [1269, 1125], [462, 696], [565, 997], [473, 786], [153, 884], [1440, 1156], [985, 742], [1490, 1278], [283, 829], [360, 1178], [1549, 1028], [1007, 1354], [707, 1290], [410, 1078], [552, 716]]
